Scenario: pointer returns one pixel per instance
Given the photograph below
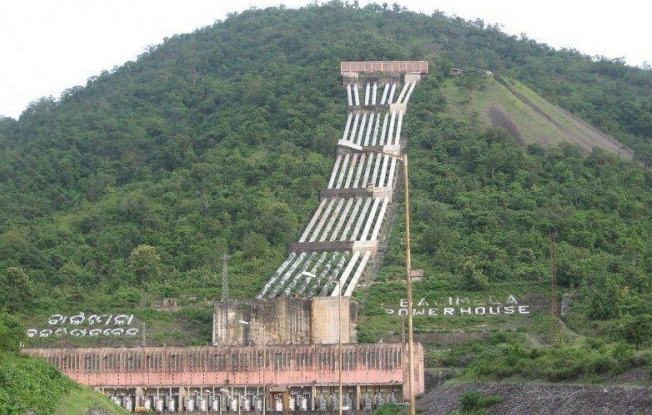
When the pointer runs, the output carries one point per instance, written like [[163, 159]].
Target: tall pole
[[408, 266], [225, 299], [555, 326], [339, 339], [225, 276], [264, 370]]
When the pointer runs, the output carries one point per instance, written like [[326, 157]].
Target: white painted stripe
[[391, 94], [356, 120], [376, 130], [374, 176], [281, 283], [385, 91], [322, 221], [307, 282], [358, 174], [338, 160], [370, 220], [360, 220], [299, 275], [335, 273], [352, 217], [379, 220], [397, 139], [341, 220], [308, 229], [348, 126], [349, 176], [357, 275], [383, 132], [403, 92], [382, 179], [349, 98], [343, 170], [370, 162], [361, 129], [409, 94], [390, 134], [370, 126], [277, 274], [366, 94], [390, 176], [345, 274], [356, 94], [331, 222]]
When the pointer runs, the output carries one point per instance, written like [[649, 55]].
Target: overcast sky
[[49, 46]]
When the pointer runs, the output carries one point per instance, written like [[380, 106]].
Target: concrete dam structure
[[235, 378], [292, 347]]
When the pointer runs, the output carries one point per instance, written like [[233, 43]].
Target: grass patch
[[81, 401]]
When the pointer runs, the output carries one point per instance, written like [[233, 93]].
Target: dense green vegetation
[[25, 383], [33, 386], [130, 188], [506, 355]]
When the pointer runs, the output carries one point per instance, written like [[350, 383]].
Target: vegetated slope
[[530, 119], [33, 386], [85, 401], [131, 188]]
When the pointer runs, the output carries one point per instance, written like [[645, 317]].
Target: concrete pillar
[[358, 398], [138, 398], [412, 77], [182, 399]]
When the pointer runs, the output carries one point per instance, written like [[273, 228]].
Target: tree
[[638, 330], [644, 155], [11, 333], [254, 245], [145, 263], [16, 291], [474, 278]]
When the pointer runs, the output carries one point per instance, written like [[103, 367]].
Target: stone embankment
[[540, 399]]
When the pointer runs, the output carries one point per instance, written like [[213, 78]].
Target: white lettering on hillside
[[461, 306], [79, 325]]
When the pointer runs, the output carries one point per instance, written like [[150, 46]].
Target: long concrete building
[[292, 347], [235, 378]]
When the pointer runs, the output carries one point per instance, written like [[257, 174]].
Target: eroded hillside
[[525, 115]]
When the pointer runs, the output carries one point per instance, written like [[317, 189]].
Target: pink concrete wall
[[385, 66], [289, 365]]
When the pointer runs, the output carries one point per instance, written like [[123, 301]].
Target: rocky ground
[[548, 399]]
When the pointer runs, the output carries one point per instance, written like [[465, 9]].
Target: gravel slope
[[545, 399]]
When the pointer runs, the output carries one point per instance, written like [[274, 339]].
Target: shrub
[[366, 336], [474, 402], [389, 409]]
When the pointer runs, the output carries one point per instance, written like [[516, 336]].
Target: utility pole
[[339, 341], [555, 329], [408, 266], [225, 294], [225, 277]]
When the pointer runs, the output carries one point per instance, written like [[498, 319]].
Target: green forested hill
[[131, 188]]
